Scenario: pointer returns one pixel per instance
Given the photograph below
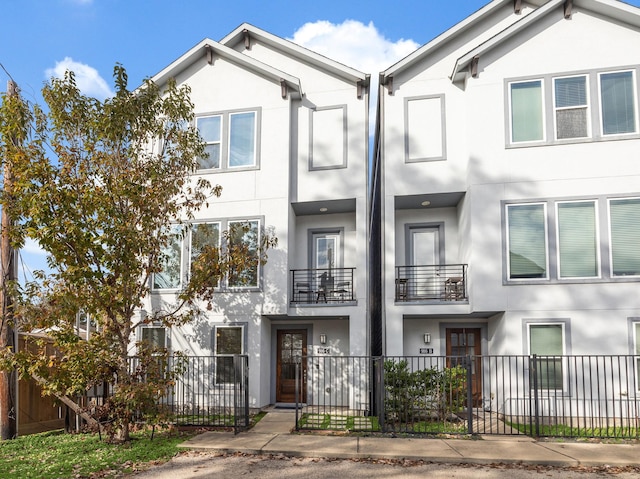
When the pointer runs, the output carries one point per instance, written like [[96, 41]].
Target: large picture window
[[228, 342], [546, 341], [624, 217], [527, 241], [577, 239]]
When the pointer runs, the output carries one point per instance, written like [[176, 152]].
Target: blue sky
[[43, 38]]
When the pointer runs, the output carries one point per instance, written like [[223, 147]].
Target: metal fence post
[[378, 364], [297, 392], [469, 396], [536, 399], [235, 394]]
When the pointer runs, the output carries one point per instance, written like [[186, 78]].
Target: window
[[571, 112], [624, 217], [526, 111], [227, 343], [171, 256], [618, 103], [546, 340], [577, 239], [527, 241], [230, 138], [203, 234], [154, 336], [242, 139], [244, 237], [210, 128]]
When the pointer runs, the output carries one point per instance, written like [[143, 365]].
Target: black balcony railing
[[445, 282], [322, 286]]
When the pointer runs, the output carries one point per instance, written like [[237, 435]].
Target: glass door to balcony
[[424, 256]]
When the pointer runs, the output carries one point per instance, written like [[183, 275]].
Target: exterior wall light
[[427, 338], [323, 339]]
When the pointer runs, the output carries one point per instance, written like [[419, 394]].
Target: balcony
[[322, 286], [431, 283]]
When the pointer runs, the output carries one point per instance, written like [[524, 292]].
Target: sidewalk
[[272, 435]]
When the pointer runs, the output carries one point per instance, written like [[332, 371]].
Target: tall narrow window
[[571, 107], [546, 340], [617, 94], [527, 241], [637, 352], [242, 139], [625, 236], [209, 128], [227, 343], [526, 111], [202, 235], [577, 239], [244, 237], [171, 256]]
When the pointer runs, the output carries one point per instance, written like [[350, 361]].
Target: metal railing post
[[297, 392], [469, 396]]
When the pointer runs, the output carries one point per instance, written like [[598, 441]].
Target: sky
[[43, 38]]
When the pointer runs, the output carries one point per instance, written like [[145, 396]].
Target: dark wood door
[[463, 343], [292, 350]]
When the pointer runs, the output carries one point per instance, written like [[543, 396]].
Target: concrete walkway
[[273, 435]]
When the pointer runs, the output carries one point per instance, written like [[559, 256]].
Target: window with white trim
[[170, 277], [546, 341], [571, 107], [228, 342], [566, 114], [527, 111], [578, 252], [624, 228], [527, 241], [239, 149], [203, 235], [245, 236], [636, 341], [154, 336], [618, 102]]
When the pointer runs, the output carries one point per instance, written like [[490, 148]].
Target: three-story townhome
[[507, 189], [287, 135]]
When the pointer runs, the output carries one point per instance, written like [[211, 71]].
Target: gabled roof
[[455, 31], [614, 9], [210, 49], [247, 31]]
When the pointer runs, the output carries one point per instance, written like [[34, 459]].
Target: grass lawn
[[59, 455]]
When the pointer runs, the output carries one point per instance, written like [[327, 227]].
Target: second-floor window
[[563, 240], [566, 112], [231, 140]]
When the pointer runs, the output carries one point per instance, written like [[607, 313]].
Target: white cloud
[[88, 79], [358, 46], [354, 44], [32, 247]]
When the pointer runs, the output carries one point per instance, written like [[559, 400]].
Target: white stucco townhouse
[[287, 136], [507, 186]]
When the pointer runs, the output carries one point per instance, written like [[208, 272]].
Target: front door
[[463, 343], [292, 350]]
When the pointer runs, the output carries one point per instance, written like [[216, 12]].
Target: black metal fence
[[208, 391], [446, 282], [562, 396]]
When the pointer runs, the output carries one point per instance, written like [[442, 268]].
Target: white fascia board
[[613, 9], [296, 52], [442, 39], [200, 50], [461, 67]]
